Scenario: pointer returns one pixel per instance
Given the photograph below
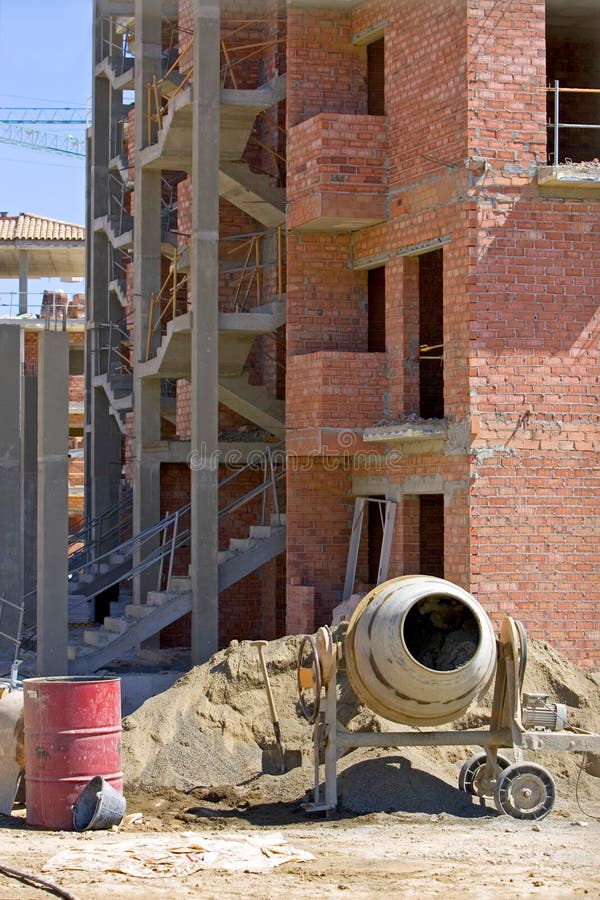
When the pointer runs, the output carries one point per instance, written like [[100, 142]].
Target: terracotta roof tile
[[26, 227]]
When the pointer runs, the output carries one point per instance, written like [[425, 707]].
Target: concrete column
[[205, 331], [146, 281], [53, 490], [11, 483], [102, 436], [30, 497], [23, 279]]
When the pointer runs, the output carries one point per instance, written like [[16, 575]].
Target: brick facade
[[515, 300]]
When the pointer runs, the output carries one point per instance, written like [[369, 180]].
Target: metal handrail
[[179, 536], [16, 638], [94, 533], [270, 481], [117, 360], [557, 124]]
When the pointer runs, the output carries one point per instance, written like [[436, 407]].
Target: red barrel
[[72, 733]]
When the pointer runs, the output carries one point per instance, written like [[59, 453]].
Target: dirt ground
[[424, 852]]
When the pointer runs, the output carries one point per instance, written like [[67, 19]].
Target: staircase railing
[[11, 625], [172, 532], [112, 350], [100, 531]]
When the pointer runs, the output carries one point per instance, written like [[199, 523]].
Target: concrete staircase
[[251, 192], [119, 390], [120, 635], [85, 585], [237, 333], [120, 71]]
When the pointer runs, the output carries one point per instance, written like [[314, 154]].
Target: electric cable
[[36, 881]]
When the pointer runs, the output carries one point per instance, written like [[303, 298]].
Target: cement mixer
[[418, 651]]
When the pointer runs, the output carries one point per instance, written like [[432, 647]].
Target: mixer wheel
[[472, 778], [525, 791], [309, 678]]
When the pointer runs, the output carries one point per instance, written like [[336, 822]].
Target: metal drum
[[419, 650], [72, 733]]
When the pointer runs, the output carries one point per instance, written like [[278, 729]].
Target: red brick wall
[[326, 300], [506, 77], [319, 509], [335, 389], [535, 373], [334, 153], [326, 73]]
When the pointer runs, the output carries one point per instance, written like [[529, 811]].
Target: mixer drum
[[419, 650]]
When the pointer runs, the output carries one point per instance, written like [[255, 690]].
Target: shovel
[[287, 759]]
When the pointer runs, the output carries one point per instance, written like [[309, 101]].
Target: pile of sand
[[212, 728]]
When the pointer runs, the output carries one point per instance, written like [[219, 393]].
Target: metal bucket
[[419, 650], [98, 806], [72, 733]]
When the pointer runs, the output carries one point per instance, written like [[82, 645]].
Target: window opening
[[376, 78], [376, 297], [431, 335]]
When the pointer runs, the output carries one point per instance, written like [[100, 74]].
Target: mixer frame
[[523, 789]]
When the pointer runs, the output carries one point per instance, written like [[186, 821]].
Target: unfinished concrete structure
[[352, 226], [42, 358]]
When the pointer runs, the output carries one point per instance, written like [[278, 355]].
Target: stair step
[[278, 519], [115, 624], [156, 598], [240, 544], [137, 610], [97, 637], [260, 531], [223, 555], [180, 584]]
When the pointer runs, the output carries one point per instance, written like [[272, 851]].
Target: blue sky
[[45, 60]]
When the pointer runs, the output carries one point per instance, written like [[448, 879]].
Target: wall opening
[[573, 59], [376, 78], [376, 297], [431, 334], [431, 534], [376, 515]]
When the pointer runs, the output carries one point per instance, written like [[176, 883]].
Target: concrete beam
[[204, 246], [53, 492]]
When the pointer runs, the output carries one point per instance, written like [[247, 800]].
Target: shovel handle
[[259, 646]]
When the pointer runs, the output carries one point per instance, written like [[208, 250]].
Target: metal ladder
[[387, 510]]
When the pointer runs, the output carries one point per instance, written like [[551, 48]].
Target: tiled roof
[[26, 227]]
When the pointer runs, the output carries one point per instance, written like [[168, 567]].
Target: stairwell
[[121, 634]]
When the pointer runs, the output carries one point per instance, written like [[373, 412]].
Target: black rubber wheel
[[310, 712], [472, 778], [525, 791]]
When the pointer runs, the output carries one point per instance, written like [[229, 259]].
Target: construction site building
[[342, 311]]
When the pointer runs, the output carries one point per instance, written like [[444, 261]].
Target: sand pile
[[212, 728]]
